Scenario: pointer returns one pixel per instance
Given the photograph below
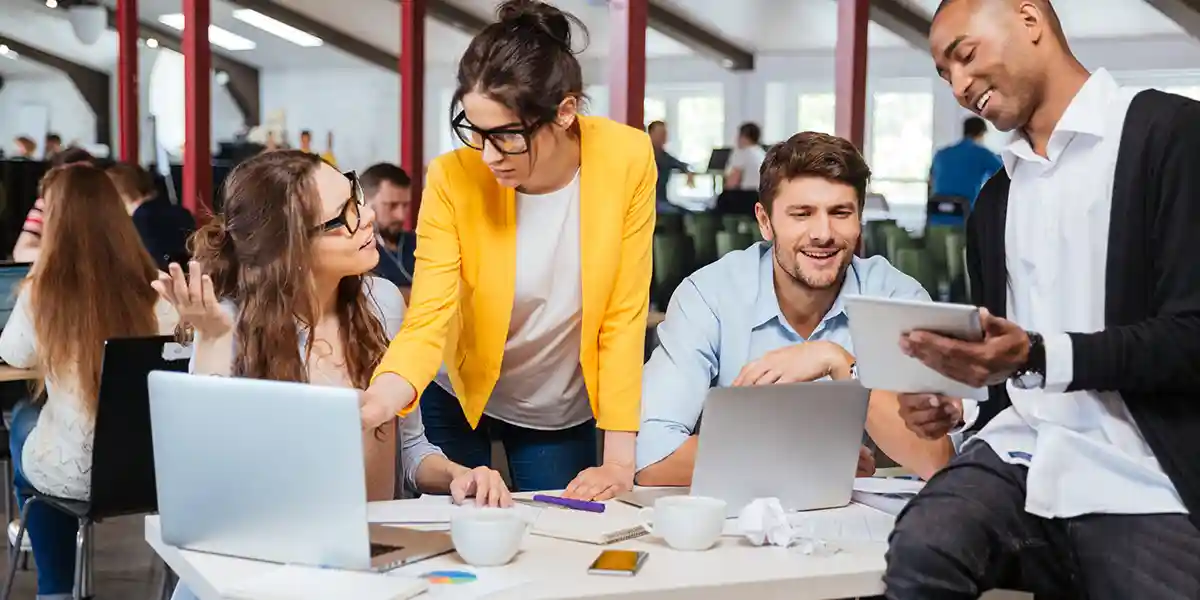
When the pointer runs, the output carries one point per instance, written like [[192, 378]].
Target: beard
[[809, 276]]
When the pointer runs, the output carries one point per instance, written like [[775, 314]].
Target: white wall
[[360, 106], [72, 118], [69, 115]]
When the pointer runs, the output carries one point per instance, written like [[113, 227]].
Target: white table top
[[553, 568]]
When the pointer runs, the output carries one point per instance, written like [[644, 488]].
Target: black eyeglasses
[[506, 140], [351, 216]]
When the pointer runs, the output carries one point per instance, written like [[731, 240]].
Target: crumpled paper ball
[[764, 521]]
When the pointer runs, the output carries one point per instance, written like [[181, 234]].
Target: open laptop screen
[[11, 275]]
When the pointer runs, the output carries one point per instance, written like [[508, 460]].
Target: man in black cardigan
[[1087, 483]]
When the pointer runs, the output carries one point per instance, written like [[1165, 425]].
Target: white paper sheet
[[488, 581], [888, 485], [292, 582], [852, 523]]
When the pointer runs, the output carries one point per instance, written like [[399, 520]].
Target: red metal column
[[627, 61], [412, 99], [851, 66], [127, 78], [197, 87]]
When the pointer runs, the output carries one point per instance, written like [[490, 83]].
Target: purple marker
[[596, 507]]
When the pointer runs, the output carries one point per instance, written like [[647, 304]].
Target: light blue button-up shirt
[[726, 315]]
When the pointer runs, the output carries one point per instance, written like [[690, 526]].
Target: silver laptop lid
[[260, 469], [796, 442], [11, 276]]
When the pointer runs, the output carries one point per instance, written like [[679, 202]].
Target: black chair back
[[737, 202], [123, 452]]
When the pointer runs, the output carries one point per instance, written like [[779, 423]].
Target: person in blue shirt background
[[388, 189], [959, 171], [774, 313]]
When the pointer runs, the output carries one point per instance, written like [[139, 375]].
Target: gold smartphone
[[618, 562]]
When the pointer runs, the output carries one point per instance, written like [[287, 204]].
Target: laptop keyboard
[[381, 549]]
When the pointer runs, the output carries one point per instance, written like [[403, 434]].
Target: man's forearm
[[887, 428], [674, 470]]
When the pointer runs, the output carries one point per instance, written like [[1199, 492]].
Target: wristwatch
[[1032, 374]]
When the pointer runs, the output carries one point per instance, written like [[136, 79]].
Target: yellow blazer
[[463, 287]]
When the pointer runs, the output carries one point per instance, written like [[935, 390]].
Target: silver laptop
[[270, 471], [11, 276], [797, 442]]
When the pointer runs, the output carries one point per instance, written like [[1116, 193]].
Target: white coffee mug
[[686, 522], [487, 537]]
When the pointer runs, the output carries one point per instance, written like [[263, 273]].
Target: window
[[901, 146], [698, 128], [776, 125], [596, 103], [449, 139], [816, 112], [166, 100], [1190, 91], [654, 109], [701, 127]]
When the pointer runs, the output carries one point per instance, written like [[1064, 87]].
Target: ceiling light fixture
[[219, 37], [51, 3], [151, 43], [277, 28]]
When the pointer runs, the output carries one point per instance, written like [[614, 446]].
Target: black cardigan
[[1149, 350]]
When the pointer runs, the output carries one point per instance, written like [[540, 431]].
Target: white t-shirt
[[57, 457], [749, 160], [541, 383]]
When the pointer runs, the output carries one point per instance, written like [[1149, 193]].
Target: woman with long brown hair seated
[[86, 287], [279, 290]]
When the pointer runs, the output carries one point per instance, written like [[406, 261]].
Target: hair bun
[[538, 17]]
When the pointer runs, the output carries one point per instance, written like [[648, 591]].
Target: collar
[[766, 305], [1085, 115]]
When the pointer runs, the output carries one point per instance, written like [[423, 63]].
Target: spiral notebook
[[618, 522]]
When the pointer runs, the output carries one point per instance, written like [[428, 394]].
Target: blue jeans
[[537, 459], [51, 532]]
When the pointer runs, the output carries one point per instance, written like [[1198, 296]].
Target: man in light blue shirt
[[774, 313]]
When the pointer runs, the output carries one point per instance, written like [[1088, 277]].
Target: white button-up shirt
[[1084, 452]]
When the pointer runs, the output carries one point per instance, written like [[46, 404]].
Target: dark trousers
[[967, 532], [537, 460]]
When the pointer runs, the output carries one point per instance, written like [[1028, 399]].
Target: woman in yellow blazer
[[532, 274]]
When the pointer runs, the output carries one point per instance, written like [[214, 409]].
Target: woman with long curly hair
[[279, 290]]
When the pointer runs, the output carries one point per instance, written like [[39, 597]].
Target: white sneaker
[[13, 529]]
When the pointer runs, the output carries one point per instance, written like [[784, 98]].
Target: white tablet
[[876, 325]]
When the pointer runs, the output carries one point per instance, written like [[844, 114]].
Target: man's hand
[[806, 361], [600, 483], [930, 416], [484, 484], [866, 463], [1005, 347], [691, 180]]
